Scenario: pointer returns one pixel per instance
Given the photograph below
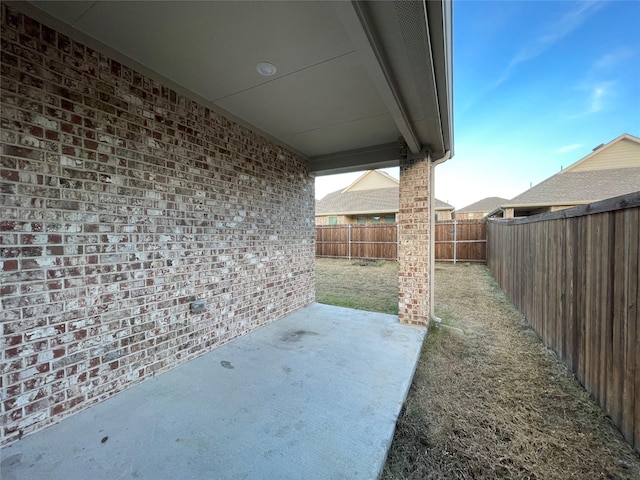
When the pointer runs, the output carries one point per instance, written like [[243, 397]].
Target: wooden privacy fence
[[455, 241], [461, 240], [574, 275], [357, 241]]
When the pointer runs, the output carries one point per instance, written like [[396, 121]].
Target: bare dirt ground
[[491, 402]]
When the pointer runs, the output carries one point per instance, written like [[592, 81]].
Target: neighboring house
[[480, 209], [443, 210], [610, 170], [371, 199]]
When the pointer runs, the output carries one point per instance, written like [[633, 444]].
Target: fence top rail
[[629, 200], [462, 221], [358, 225]]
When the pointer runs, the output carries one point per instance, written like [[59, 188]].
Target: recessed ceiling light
[[266, 69]]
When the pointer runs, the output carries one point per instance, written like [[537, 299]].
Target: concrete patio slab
[[312, 396]]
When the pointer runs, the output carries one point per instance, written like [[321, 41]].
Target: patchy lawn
[[491, 402], [363, 284]]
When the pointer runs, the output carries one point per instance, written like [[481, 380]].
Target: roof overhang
[[528, 206], [547, 204], [357, 83]]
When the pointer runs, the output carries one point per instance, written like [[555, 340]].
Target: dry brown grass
[[495, 403]]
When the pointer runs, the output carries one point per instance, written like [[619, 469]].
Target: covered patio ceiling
[[352, 80]]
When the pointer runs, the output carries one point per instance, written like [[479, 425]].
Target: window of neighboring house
[[333, 220], [375, 219], [436, 217], [390, 219], [362, 220]]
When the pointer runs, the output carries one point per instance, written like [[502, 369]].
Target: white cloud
[[551, 35], [614, 58], [597, 97], [570, 148], [599, 94], [598, 90]]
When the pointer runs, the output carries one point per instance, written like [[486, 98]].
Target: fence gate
[[461, 240]]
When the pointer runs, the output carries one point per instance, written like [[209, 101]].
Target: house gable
[[623, 152], [371, 180]]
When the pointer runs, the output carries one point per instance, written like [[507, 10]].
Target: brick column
[[414, 237]]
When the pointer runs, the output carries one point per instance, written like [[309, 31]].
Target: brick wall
[[122, 202], [444, 215], [414, 241]]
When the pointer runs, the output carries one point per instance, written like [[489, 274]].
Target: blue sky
[[537, 85]]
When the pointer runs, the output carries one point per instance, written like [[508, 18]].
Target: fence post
[[455, 241], [349, 240]]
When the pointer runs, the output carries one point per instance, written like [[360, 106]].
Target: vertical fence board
[[570, 271], [560, 317], [575, 278], [357, 241], [632, 366], [591, 333], [534, 296], [381, 241], [620, 259], [582, 298], [605, 314]]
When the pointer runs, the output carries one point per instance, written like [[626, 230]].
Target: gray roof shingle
[[580, 187], [379, 200], [440, 205], [485, 205]]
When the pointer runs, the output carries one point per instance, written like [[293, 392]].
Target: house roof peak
[[587, 162], [372, 179]]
